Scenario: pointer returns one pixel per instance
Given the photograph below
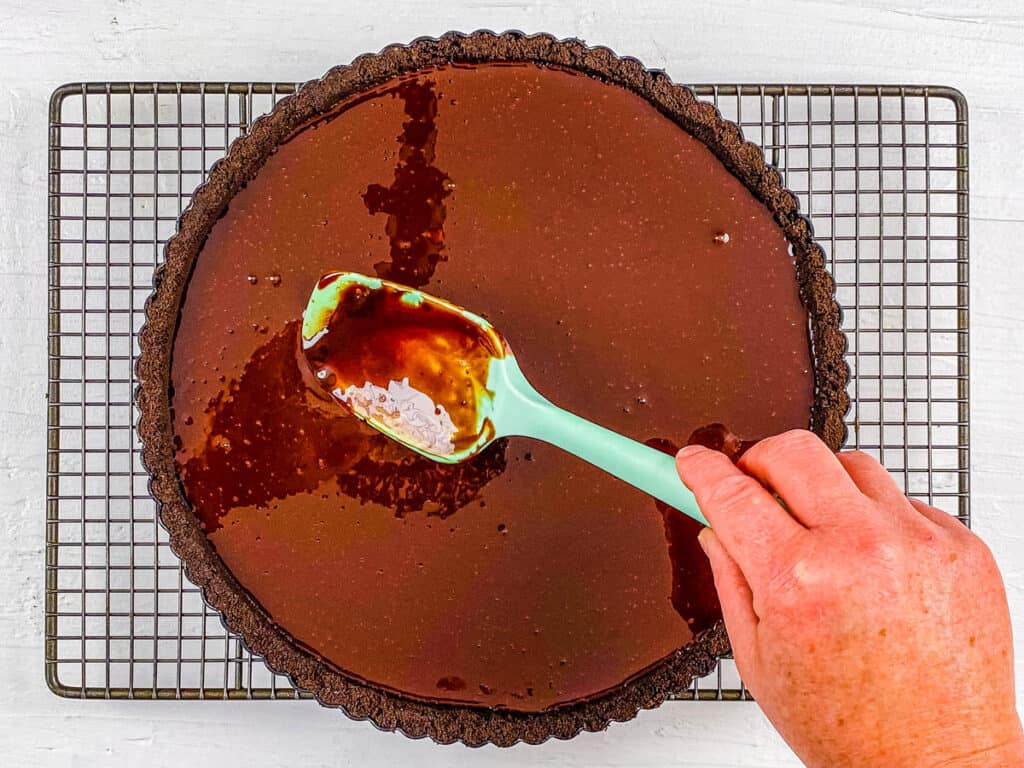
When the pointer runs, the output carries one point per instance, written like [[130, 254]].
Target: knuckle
[[796, 439], [923, 533], [857, 457], [805, 585], [977, 552], [883, 559], [709, 458], [793, 442], [730, 491], [786, 583], [874, 543], [696, 460]]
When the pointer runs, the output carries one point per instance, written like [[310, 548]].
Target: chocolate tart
[[648, 268]]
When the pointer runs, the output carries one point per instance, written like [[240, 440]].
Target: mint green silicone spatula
[[444, 382]]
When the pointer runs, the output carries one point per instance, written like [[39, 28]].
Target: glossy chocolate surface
[[590, 229]]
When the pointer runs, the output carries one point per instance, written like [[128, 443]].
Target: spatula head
[[411, 365]]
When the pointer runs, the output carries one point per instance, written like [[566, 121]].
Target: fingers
[[876, 483], [736, 598], [937, 516], [872, 479], [750, 524], [805, 474]]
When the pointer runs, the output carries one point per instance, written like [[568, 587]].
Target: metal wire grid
[[880, 170]]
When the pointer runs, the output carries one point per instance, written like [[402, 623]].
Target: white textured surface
[[975, 45], [403, 412]]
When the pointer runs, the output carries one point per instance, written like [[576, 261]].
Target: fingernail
[[689, 450], [702, 538]]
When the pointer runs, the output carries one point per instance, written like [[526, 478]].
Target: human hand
[[873, 630]]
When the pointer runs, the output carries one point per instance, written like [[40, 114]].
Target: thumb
[[737, 602]]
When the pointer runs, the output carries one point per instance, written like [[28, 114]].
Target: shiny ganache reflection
[[699, 608], [586, 226], [270, 437], [414, 201]]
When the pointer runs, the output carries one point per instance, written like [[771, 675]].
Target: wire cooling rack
[[880, 170]]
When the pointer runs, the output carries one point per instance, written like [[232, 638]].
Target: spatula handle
[[525, 412]]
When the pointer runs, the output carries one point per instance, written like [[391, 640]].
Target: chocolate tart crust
[[447, 723]]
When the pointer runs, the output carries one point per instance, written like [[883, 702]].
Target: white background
[[975, 45]]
